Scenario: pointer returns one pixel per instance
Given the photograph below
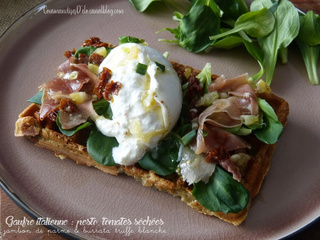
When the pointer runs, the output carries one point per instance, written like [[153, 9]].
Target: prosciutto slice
[[217, 138], [238, 86], [238, 99], [61, 87], [72, 119], [222, 113], [48, 106], [222, 84], [84, 68]]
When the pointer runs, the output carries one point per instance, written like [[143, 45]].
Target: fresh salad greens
[[129, 39], [256, 24], [142, 5], [285, 31], [102, 108], [192, 32], [272, 130], [100, 147], [85, 50], [309, 43], [36, 98], [222, 193], [163, 159], [266, 31]]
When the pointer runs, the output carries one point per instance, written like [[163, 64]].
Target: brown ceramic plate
[[61, 190]]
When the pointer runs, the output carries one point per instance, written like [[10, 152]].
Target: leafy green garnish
[[70, 132], [85, 50], [222, 193], [257, 24], [102, 108], [36, 98], [202, 21], [272, 129], [129, 39], [142, 5], [309, 43], [163, 159], [285, 30], [229, 23], [100, 147], [310, 28], [232, 9]]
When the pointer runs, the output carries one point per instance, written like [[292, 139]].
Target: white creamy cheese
[[146, 107], [194, 168]]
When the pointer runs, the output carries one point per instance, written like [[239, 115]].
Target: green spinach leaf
[[222, 193], [163, 159], [100, 147]]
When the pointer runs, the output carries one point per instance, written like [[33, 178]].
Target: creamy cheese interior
[[146, 107]]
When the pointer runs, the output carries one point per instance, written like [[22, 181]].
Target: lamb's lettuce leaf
[[129, 39], [102, 108], [309, 43], [178, 5], [142, 5], [202, 21], [285, 31], [163, 159], [272, 129], [222, 193], [88, 50], [36, 98], [257, 24], [232, 9], [100, 147]]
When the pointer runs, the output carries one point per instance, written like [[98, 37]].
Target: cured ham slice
[[238, 86], [238, 98], [72, 79], [76, 117], [217, 138]]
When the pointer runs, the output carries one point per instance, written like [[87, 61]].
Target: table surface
[[11, 11]]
